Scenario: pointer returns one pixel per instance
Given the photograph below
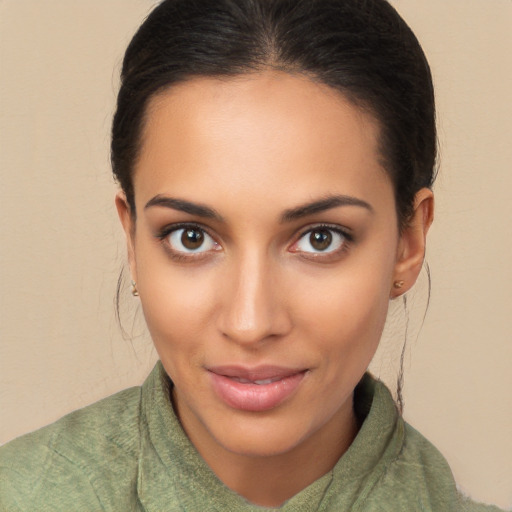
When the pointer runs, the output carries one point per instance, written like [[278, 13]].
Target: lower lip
[[255, 397]]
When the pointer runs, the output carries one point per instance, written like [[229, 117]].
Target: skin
[[257, 291]]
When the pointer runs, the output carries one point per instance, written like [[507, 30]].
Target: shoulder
[[74, 456], [421, 467], [410, 473]]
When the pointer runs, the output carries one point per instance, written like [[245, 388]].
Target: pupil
[[320, 240], [192, 238]]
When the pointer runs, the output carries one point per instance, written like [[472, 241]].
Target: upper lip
[[254, 373]]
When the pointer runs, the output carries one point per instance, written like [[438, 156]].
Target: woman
[[275, 160]]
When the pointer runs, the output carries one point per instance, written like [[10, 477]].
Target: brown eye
[[192, 239], [320, 239]]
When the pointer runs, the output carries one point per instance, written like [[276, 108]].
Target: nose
[[252, 309]]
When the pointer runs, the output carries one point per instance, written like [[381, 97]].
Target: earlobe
[[127, 221], [412, 244]]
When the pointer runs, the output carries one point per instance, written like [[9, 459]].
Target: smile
[[255, 390], [259, 382]]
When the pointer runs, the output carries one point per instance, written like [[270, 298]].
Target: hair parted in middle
[[361, 48]]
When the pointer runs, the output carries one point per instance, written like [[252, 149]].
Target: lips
[[260, 382], [255, 389]]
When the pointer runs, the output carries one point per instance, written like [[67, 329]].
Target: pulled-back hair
[[362, 48]]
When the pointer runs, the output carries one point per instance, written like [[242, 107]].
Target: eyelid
[[346, 233], [164, 233], [167, 230]]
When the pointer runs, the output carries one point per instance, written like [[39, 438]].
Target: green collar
[[173, 476]]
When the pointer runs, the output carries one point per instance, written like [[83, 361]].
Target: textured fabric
[[129, 453]]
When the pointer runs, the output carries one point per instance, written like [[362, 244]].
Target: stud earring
[[135, 292], [398, 284]]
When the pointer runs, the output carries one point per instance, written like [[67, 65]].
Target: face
[[264, 248]]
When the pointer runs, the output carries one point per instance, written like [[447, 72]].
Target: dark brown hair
[[362, 48]]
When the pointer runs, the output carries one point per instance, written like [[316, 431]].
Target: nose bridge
[[251, 309]]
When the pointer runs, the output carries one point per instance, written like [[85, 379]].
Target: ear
[[128, 222], [412, 243]]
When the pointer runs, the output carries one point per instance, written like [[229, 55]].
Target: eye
[[321, 240], [191, 239]]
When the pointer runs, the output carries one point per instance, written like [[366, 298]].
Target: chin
[[260, 444], [261, 435]]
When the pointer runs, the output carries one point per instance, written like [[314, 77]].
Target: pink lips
[[255, 389]]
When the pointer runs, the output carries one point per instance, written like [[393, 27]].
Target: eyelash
[[178, 255], [183, 256], [326, 256]]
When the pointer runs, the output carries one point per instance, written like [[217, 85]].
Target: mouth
[[262, 382], [255, 389]]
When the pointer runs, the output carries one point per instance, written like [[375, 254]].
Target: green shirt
[[128, 452]]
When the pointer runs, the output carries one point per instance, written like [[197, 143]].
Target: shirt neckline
[[172, 471]]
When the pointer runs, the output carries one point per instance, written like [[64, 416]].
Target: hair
[[362, 48]]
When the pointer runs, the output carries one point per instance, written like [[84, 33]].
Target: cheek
[[346, 311], [355, 316], [177, 304], [346, 331]]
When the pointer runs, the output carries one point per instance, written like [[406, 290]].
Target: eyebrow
[[289, 215], [323, 204], [184, 206]]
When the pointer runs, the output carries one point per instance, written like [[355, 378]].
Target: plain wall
[[61, 248]]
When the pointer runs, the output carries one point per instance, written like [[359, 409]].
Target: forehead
[[261, 133]]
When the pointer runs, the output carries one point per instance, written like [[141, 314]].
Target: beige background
[[61, 248]]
